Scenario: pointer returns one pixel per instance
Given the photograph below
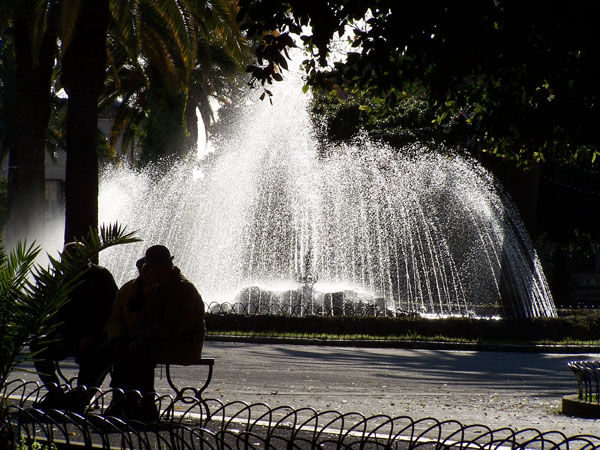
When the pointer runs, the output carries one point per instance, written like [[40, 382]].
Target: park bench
[[180, 393], [588, 379], [63, 430]]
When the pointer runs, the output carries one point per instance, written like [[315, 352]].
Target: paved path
[[518, 390], [498, 389]]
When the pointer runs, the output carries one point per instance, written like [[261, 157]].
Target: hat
[[156, 254], [71, 247]]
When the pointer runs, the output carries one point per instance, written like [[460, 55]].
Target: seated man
[[157, 318], [81, 321]]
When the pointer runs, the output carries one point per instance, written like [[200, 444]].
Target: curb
[[572, 406], [425, 345]]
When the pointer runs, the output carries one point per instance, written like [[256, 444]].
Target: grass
[[395, 338], [332, 337]]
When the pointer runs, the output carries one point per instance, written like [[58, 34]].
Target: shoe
[[148, 411], [77, 400], [54, 399], [142, 409], [133, 407], [116, 407]]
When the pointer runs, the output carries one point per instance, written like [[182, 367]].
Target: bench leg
[[179, 393], [206, 383]]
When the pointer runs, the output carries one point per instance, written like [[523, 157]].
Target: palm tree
[[36, 33], [34, 48], [223, 55], [83, 73], [162, 70], [162, 34], [7, 91], [153, 45]]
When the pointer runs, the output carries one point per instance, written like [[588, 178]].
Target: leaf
[[31, 295], [283, 63], [305, 88], [70, 12]]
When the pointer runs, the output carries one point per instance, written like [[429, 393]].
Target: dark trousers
[[93, 365], [131, 373]]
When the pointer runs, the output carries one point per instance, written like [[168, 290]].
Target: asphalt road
[[498, 389]]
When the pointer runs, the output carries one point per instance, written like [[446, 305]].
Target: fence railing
[[299, 309], [588, 380], [212, 424]]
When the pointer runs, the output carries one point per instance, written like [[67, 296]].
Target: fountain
[[267, 224]]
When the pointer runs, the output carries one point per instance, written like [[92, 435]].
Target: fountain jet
[[387, 231]]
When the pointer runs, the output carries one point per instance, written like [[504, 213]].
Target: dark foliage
[[409, 121], [577, 327], [523, 74]]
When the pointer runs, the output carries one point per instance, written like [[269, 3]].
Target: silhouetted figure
[[81, 321], [157, 318]]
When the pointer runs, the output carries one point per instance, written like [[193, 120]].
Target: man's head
[[70, 247], [156, 264], [71, 250]]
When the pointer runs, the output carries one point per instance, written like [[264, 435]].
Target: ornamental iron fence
[[191, 423], [336, 308]]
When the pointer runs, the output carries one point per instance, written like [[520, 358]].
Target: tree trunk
[[83, 74], [26, 183], [191, 120]]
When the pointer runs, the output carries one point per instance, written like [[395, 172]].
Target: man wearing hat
[[157, 318]]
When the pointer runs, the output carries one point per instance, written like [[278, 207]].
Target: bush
[[584, 326]]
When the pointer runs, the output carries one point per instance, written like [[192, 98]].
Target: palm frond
[[3, 254], [13, 303], [7, 10], [70, 12], [31, 295], [125, 26], [184, 45], [125, 114], [177, 20], [134, 130], [161, 59], [37, 22], [219, 27]]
